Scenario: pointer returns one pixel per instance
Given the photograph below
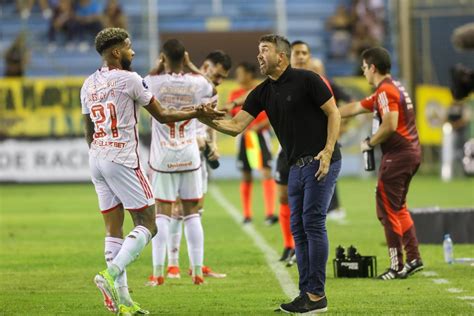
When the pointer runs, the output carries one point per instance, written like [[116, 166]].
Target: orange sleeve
[[368, 102], [388, 99]]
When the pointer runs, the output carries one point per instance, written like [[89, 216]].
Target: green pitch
[[51, 246]]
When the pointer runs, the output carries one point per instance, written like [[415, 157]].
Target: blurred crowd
[[355, 27], [74, 23]]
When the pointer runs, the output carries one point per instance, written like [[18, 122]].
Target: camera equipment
[[353, 265], [214, 164], [462, 79]]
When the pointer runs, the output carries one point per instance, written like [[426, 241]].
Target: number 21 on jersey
[[101, 115]]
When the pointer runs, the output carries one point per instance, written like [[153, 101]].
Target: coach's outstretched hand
[[208, 112]]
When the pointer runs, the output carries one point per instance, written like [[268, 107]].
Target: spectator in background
[[340, 26], [361, 40], [113, 15], [25, 7], [89, 20], [368, 18], [17, 57], [63, 21], [375, 26]]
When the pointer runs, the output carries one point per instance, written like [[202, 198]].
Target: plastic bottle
[[369, 158], [448, 249]]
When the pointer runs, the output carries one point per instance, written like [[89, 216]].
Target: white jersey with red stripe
[[173, 146], [112, 98]]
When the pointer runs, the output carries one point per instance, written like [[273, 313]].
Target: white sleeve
[[206, 88], [84, 108], [138, 90]]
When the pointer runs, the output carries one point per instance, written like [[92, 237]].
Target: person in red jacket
[[395, 131]]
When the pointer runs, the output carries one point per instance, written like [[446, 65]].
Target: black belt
[[303, 161]]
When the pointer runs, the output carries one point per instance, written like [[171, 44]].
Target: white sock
[[112, 248], [195, 240], [159, 244], [131, 248], [174, 241]]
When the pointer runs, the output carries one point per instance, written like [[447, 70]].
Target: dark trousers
[[334, 205], [309, 200]]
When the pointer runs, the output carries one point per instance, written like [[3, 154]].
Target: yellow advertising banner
[[42, 107], [432, 103], [50, 107]]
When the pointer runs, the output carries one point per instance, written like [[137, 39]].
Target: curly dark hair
[[109, 37]]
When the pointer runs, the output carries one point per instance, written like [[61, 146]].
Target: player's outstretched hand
[[324, 158]]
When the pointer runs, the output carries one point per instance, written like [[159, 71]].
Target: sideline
[[271, 256]]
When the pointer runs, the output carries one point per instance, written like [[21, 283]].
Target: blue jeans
[[309, 201]]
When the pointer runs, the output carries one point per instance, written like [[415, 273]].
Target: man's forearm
[[170, 115], [88, 130], [351, 109], [89, 138], [224, 126], [334, 123], [194, 69], [382, 134], [211, 136]]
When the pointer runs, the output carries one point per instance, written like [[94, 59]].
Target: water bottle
[[448, 249], [369, 158]]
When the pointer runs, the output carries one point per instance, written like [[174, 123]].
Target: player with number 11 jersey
[[174, 147]]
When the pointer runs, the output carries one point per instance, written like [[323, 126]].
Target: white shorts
[[116, 184], [167, 187], [204, 174]]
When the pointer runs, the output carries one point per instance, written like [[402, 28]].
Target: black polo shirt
[[293, 105]]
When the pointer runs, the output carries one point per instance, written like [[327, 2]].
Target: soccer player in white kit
[[175, 159], [111, 98], [215, 68]]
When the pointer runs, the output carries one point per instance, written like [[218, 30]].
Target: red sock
[[269, 196], [246, 197], [285, 226]]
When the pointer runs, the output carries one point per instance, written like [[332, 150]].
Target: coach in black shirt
[[305, 118]]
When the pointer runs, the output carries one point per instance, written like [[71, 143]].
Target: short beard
[[269, 70], [126, 64]]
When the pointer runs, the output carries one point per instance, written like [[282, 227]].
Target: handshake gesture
[[207, 112]]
